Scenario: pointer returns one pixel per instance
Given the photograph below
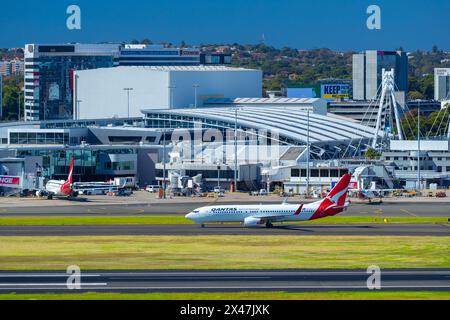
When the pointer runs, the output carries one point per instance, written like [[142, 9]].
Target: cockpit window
[[196, 211]]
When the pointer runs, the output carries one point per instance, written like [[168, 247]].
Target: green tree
[[11, 95], [415, 95], [372, 154]]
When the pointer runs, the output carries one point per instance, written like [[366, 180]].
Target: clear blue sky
[[306, 24]]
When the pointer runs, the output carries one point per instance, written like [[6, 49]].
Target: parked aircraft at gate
[[61, 188]]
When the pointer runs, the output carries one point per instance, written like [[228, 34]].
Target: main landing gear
[[269, 224]]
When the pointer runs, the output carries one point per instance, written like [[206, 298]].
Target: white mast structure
[[387, 93]]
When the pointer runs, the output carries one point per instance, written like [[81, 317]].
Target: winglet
[[297, 212]]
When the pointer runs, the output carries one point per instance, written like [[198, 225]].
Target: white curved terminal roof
[[290, 122]]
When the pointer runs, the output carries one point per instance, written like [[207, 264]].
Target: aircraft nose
[[189, 216]]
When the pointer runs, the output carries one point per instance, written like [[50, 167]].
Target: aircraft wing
[[281, 217]]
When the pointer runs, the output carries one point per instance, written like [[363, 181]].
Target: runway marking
[[15, 275], [50, 284], [57, 287], [409, 212], [419, 272], [261, 274]]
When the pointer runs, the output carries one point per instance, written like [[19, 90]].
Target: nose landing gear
[[269, 224]]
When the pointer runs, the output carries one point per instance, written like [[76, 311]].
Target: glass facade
[[87, 166], [387, 61], [54, 90], [150, 52], [39, 138], [323, 173]]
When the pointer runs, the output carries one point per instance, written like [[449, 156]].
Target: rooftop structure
[[315, 105], [124, 91], [328, 135]]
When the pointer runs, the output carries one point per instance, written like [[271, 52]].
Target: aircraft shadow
[[311, 228]]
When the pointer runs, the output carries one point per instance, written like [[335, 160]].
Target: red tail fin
[[339, 193], [70, 177]]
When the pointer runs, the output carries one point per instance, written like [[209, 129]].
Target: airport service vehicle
[[125, 182], [152, 188], [60, 188], [219, 190], [94, 188], [254, 215]]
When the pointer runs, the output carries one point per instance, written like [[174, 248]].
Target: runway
[[223, 281], [412, 209], [228, 229]]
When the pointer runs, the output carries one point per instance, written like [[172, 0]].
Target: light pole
[[307, 153], [235, 148], [164, 163], [196, 86], [418, 149], [18, 110], [171, 87], [77, 111], [218, 174], [128, 96]]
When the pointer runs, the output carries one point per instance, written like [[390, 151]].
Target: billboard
[[10, 181], [300, 93], [335, 91]]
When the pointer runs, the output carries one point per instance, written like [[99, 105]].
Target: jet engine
[[251, 221]]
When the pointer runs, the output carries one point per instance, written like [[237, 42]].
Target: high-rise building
[[49, 75], [13, 67], [208, 58], [5, 68], [367, 72], [158, 55], [441, 84], [49, 71], [17, 66]]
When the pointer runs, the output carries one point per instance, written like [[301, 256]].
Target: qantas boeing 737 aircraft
[[252, 215]]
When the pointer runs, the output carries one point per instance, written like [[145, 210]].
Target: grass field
[[112, 220], [222, 252], [376, 295]]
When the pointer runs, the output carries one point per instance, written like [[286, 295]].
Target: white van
[[152, 188]]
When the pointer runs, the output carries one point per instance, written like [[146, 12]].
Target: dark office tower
[[367, 72], [49, 76]]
